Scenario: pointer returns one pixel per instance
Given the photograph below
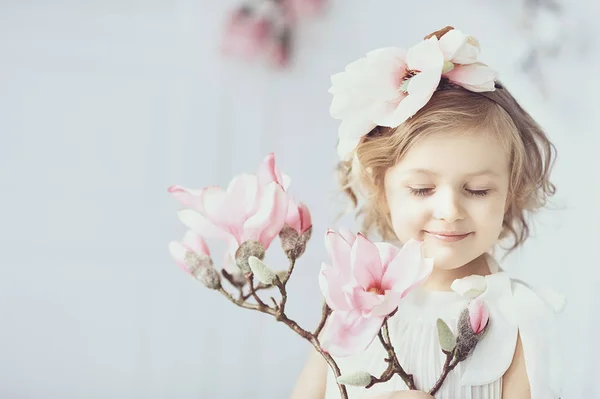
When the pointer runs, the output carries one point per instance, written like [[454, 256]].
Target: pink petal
[[387, 252], [305, 218], [292, 218], [403, 270], [187, 196], [194, 241], [201, 225], [364, 300], [178, 252], [347, 235], [420, 90], [476, 77], [347, 333], [339, 253], [270, 217], [366, 263], [478, 315], [390, 302], [332, 282], [425, 56], [268, 172]]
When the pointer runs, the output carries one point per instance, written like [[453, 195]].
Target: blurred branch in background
[[265, 29]]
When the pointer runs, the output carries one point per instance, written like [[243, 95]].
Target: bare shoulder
[[515, 384], [312, 379]]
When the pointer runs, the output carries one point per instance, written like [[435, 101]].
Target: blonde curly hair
[[532, 156]]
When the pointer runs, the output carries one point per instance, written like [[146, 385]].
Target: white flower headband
[[389, 85]]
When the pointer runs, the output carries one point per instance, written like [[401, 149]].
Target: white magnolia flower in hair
[[390, 85]]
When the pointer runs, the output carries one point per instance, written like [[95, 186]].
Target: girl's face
[[450, 191]]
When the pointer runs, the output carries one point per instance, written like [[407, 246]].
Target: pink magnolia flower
[[385, 88], [254, 207], [246, 33], [298, 216], [243, 212], [192, 244], [302, 8], [478, 315], [364, 284], [269, 172]]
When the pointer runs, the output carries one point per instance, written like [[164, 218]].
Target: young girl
[[435, 148]]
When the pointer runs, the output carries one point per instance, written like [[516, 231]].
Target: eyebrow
[[430, 172]]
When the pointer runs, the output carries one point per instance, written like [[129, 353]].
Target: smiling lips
[[448, 236]]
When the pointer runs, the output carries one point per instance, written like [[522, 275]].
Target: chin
[[448, 258]]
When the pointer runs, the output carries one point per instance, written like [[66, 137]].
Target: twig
[[282, 317], [384, 337], [324, 315], [449, 365]]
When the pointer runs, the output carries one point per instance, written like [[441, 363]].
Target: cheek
[[408, 218]]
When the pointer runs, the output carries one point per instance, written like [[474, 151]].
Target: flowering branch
[[278, 312]]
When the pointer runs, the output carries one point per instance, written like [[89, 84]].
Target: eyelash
[[423, 192]]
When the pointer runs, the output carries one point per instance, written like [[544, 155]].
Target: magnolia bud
[[261, 271], [246, 250], [289, 238], [195, 262], [469, 332], [292, 243], [357, 379], [210, 277]]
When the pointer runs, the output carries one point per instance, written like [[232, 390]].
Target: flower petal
[[451, 42], [469, 286], [425, 56], [203, 226], [194, 241], [292, 218], [387, 252], [305, 218], [407, 269], [269, 172], [390, 302], [339, 253], [420, 90], [366, 263], [178, 251], [331, 282], [270, 217], [347, 333], [187, 196], [364, 300], [476, 77]]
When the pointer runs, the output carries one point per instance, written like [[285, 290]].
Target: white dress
[[514, 309]]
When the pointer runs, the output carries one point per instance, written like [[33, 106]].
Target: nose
[[447, 206]]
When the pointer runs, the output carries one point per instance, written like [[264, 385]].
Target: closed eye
[[421, 192]]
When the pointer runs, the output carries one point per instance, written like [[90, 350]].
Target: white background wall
[[104, 104]]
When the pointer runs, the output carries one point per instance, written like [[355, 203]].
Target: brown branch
[[253, 291], [282, 317], [324, 315], [384, 337], [449, 365]]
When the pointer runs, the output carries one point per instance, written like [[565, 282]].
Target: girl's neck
[[441, 280]]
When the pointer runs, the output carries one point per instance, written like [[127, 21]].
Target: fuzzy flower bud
[[195, 262], [246, 250], [210, 277], [261, 271], [357, 379], [472, 325]]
